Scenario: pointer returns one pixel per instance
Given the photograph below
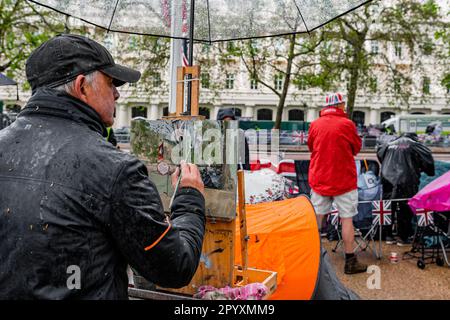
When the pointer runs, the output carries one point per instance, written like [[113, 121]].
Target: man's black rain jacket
[[73, 205]]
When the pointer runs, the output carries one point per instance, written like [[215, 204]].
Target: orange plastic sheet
[[283, 237]]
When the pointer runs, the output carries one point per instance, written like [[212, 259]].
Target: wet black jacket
[[402, 161], [69, 199]]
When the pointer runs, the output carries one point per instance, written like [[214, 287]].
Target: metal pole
[[191, 34], [191, 54], [175, 54]]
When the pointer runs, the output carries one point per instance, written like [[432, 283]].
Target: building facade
[[253, 101]]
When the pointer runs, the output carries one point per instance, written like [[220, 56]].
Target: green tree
[[400, 30], [148, 54], [275, 63], [23, 28]]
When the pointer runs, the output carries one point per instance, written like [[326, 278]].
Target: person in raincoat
[[402, 160], [333, 142], [225, 114], [77, 210]]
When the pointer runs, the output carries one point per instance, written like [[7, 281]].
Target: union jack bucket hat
[[334, 99]]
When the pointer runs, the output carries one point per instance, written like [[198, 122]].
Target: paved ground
[[401, 281]]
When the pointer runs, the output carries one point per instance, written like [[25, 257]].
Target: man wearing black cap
[[75, 211]]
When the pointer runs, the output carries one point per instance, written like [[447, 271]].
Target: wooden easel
[[242, 227], [217, 265], [182, 72]]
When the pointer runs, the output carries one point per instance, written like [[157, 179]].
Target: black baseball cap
[[62, 58]]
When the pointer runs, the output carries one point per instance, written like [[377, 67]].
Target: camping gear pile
[[431, 241]]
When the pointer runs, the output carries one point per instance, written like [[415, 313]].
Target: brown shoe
[[352, 266]]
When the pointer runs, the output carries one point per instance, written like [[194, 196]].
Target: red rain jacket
[[333, 142]]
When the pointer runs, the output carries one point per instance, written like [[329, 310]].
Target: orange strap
[[162, 236], [367, 166]]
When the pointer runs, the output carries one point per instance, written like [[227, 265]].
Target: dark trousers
[[404, 219], [404, 216], [400, 209]]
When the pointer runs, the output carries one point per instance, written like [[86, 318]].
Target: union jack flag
[[184, 31], [381, 212], [167, 16], [424, 217], [334, 216], [301, 137]]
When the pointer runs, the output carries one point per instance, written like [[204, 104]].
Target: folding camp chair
[[301, 172], [381, 217], [361, 241]]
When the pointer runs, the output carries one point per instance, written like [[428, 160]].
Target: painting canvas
[[211, 145]]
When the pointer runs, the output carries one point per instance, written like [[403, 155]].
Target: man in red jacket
[[333, 142]]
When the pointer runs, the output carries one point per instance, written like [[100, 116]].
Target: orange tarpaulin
[[283, 237]]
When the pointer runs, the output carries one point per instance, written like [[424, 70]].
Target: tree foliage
[[275, 63], [402, 31], [22, 29]]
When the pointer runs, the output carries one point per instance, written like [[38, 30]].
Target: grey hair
[[69, 87]]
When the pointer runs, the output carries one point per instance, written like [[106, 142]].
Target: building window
[[398, 49], [279, 44], [374, 47], [253, 84], [446, 83], [230, 46], [132, 42], [278, 82], [397, 86], [206, 48], [428, 48], [386, 115], [205, 80], [301, 84], [165, 111], [358, 118], [204, 112], [426, 85], [296, 115], [373, 84], [237, 112], [229, 81], [140, 111], [156, 80], [264, 114], [327, 46], [256, 44], [108, 42]]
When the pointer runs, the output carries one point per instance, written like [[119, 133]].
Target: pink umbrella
[[434, 196]]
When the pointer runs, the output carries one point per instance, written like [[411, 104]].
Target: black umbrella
[[5, 81]]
